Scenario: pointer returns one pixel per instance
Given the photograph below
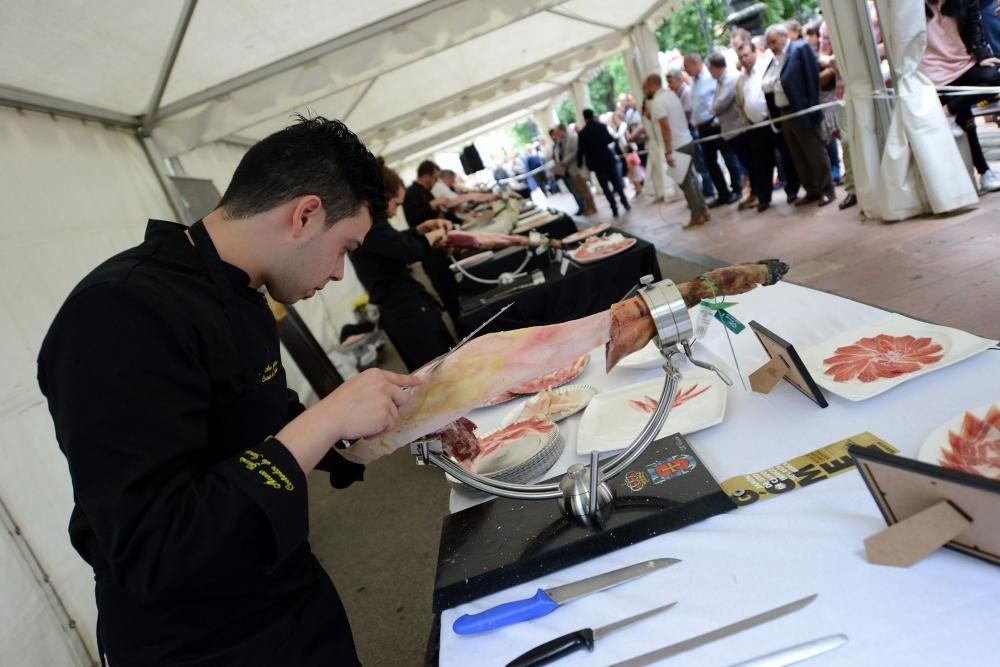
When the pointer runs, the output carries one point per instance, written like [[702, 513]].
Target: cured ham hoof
[[776, 270]]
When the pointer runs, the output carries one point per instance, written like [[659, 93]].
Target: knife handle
[[555, 649], [505, 614]]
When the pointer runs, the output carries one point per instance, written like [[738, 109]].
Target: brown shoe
[[698, 220], [749, 201], [808, 199], [825, 199]]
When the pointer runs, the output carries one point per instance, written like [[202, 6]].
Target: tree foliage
[[566, 112], [524, 133], [682, 30], [610, 82]]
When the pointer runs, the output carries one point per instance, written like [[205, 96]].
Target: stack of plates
[[519, 461]]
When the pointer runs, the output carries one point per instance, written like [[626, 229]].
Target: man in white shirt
[[759, 144], [446, 189], [663, 107]]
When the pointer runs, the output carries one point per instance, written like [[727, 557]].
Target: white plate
[[956, 345], [648, 357], [513, 453], [589, 392], [611, 422], [950, 438], [528, 224], [575, 254]]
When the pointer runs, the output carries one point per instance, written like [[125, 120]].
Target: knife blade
[[797, 653], [437, 362], [545, 601], [562, 646], [715, 635]]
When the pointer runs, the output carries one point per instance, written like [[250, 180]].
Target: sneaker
[[989, 181], [956, 131]]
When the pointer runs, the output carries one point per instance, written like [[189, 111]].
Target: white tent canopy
[[388, 68]]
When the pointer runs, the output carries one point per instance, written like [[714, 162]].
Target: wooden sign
[[785, 364]]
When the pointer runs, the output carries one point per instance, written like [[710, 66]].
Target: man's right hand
[[365, 405]]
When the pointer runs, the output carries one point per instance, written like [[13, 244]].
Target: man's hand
[[436, 237], [992, 61], [365, 405], [670, 159], [436, 223]]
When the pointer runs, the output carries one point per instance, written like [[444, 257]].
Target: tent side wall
[[74, 193]]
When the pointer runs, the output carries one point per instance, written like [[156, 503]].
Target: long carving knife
[[545, 601], [715, 635], [585, 638]]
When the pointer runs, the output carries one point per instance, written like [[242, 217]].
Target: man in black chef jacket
[[187, 451], [419, 205]]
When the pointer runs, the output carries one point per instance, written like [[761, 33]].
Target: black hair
[[716, 59], [588, 114], [314, 156], [426, 168]]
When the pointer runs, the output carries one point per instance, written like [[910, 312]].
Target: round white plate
[[574, 255], [589, 392], [514, 452], [648, 357], [612, 421], [950, 439]]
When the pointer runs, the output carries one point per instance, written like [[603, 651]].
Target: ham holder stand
[[583, 491], [652, 487]]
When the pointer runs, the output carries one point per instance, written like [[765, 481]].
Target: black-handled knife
[[574, 641]]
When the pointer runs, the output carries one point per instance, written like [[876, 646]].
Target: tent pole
[[159, 165], [23, 99], [167, 67]]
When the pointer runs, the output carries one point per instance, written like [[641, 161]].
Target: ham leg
[[489, 365], [489, 240]]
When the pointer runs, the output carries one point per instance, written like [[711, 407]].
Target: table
[[583, 290], [509, 259], [943, 610]]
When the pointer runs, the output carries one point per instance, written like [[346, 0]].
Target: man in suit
[[793, 78], [579, 176], [594, 148], [728, 117]]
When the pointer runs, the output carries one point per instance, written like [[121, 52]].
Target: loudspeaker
[[471, 162]]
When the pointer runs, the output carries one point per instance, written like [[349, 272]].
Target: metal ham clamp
[[583, 491]]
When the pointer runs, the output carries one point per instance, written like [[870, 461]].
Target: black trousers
[[415, 327], [760, 146], [961, 107], [711, 150], [790, 175], [611, 184], [437, 267], [809, 157]]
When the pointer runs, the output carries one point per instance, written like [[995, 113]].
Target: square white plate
[[612, 421], [956, 345]]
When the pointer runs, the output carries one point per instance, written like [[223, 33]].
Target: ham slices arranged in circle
[[976, 447], [554, 379], [883, 356]]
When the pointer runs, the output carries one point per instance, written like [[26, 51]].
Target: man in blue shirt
[[704, 120]]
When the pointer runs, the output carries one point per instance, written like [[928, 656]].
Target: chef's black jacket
[[164, 380], [417, 209], [381, 263], [417, 205]]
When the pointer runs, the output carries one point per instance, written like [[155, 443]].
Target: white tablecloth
[[943, 610]]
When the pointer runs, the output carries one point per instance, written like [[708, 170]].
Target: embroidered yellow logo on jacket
[[270, 371]]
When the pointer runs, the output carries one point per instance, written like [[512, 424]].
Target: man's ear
[[307, 213]]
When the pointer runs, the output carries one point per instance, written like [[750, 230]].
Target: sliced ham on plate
[[882, 356], [599, 247]]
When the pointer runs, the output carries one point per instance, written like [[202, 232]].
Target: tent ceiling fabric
[[390, 68]]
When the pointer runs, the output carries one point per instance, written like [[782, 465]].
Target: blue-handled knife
[[545, 601]]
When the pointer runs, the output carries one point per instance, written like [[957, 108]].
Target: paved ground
[[379, 539]]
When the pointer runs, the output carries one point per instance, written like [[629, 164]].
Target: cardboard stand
[[928, 507], [785, 364]]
